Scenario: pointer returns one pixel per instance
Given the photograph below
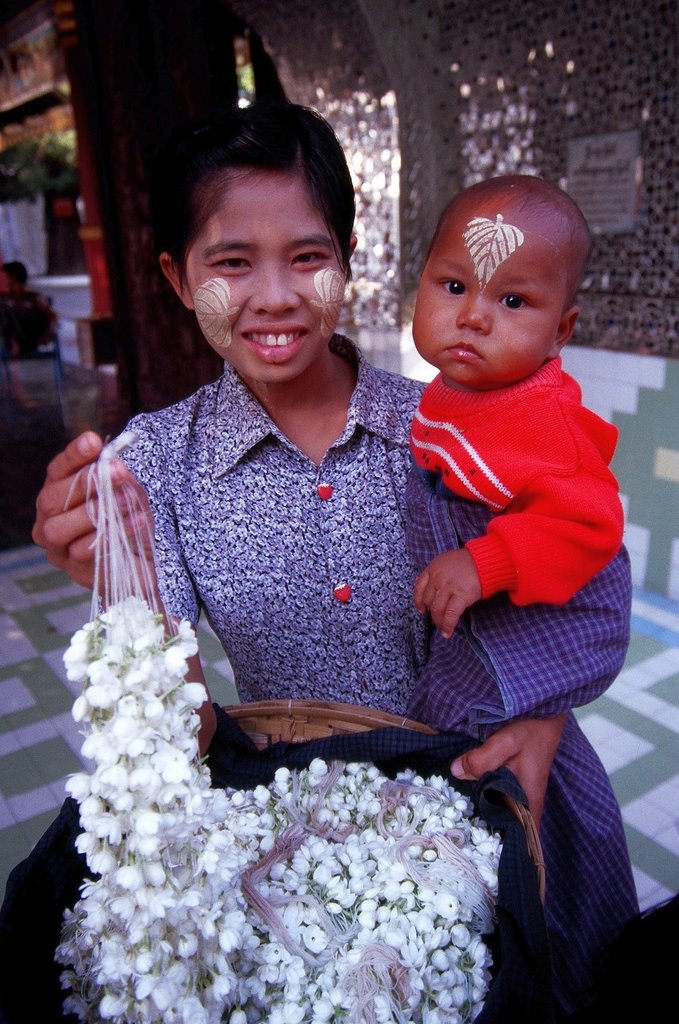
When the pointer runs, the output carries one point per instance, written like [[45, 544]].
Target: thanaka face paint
[[214, 313], [489, 244], [330, 286]]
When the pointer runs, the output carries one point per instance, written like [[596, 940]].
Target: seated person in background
[[28, 319], [6, 330]]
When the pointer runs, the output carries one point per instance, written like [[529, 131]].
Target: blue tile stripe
[[663, 626]]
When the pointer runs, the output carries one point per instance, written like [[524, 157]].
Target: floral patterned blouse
[[302, 570]]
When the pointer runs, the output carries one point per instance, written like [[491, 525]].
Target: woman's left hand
[[527, 747]]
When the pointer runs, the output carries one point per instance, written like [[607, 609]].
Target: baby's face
[[491, 306]]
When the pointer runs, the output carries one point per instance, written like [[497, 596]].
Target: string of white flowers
[[332, 895], [148, 940], [123, 538], [380, 904], [378, 921]]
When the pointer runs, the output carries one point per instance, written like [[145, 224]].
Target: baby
[[502, 423]]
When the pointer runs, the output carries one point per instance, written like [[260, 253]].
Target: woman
[[277, 492], [306, 426]]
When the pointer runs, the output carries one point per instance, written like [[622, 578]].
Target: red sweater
[[535, 454]]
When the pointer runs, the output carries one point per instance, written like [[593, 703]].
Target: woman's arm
[[206, 712]]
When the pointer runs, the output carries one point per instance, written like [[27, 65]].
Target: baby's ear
[[565, 329]]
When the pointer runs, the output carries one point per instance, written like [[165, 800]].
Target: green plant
[[46, 164]]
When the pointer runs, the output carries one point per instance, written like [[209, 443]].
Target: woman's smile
[[270, 340], [273, 347]]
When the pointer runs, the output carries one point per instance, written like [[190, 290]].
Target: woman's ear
[[352, 243], [176, 279]]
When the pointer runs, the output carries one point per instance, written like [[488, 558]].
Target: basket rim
[[358, 713]]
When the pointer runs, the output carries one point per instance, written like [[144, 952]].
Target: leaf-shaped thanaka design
[[329, 285], [214, 314], [490, 244]]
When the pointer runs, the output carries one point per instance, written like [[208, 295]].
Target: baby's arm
[[554, 537], [447, 587]]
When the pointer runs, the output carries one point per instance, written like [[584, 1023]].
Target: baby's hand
[[448, 586]]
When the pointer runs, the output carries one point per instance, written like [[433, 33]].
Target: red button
[[324, 491], [342, 592]]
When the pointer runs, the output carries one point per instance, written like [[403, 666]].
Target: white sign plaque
[[604, 178]]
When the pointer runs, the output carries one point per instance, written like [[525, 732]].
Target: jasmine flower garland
[[334, 894], [371, 897], [149, 940]]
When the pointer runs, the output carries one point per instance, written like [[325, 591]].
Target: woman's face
[[263, 277]]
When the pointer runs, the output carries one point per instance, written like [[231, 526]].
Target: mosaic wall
[[475, 90], [545, 74]]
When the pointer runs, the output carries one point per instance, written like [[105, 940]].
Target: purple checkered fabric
[[504, 662]]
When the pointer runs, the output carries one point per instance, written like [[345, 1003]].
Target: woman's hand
[[527, 747], [63, 524]]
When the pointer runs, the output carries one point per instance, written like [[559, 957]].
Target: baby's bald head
[[532, 204]]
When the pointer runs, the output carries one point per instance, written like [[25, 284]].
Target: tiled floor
[[635, 726]]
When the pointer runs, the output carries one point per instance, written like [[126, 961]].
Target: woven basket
[[293, 721]]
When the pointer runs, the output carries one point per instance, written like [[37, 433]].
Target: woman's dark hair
[[269, 135]]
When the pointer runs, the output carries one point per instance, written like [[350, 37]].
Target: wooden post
[[90, 231]]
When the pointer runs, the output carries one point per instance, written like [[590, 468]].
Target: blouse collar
[[242, 423]]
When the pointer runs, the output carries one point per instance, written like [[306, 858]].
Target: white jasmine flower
[[113, 1006], [261, 796], [172, 765], [191, 1011], [147, 823], [154, 709], [314, 938], [194, 694], [447, 906], [81, 707], [322, 874], [317, 769], [114, 777], [231, 931], [99, 859]]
